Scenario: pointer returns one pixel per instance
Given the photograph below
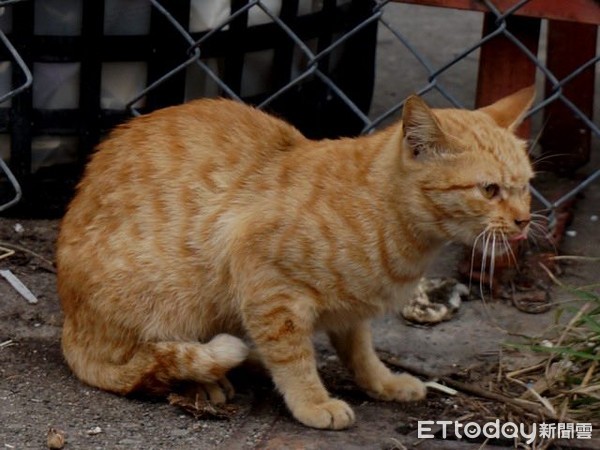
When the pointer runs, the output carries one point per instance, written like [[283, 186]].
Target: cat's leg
[[355, 348], [155, 367], [281, 326]]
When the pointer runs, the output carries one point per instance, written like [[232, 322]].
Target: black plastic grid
[[168, 50]]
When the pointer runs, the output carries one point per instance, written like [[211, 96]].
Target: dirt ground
[[37, 391]]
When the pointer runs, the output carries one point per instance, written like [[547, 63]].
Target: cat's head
[[471, 171]]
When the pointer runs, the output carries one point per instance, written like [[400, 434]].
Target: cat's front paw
[[401, 388], [333, 414]]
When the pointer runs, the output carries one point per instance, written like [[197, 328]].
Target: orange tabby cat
[[203, 224]]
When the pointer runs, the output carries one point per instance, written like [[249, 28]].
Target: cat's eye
[[490, 190]]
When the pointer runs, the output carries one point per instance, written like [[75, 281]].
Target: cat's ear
[[509, 111], [421, 131]]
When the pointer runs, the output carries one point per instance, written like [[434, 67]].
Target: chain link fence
[[9, 93], [235, 52]]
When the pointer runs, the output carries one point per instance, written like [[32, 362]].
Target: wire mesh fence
[[11, 91], [240, 45]]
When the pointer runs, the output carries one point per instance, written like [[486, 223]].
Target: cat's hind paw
[[333, 414], [217, 393]]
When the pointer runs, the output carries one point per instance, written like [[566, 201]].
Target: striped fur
[[201, 229]]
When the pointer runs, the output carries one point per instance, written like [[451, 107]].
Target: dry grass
[[562, 383], [566, 384]]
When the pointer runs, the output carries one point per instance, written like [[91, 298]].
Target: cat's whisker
[[537, 219], [492, 263], [538, 239], [540, 231], [537, 229], [473, 250], [541, 210], [484, 263], [533, 144], [509, 251], [545, 158], [533, 238], [536, 215], [538, 225], [540, 218]]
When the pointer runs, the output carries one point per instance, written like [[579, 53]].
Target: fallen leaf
[[203, 409]]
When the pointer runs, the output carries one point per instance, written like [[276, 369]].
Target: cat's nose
[[522, 222]]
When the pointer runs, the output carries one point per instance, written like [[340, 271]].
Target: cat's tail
[[154, 367]]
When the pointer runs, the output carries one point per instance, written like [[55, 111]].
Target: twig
[[589, 373], [7, 252], [6, 344], [499, 375], [565, 332], [440, 387], [537, 395], [551, 275], [525, 370], [576, 258], [49, 263]]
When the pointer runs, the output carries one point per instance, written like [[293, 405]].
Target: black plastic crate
[[52, 126]]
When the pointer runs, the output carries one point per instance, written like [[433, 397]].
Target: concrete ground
[[37, 391]]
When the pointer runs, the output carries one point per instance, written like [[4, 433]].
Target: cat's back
[[201, 148], [209, 132], [162, 171]]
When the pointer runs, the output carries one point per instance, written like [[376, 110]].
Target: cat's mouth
[[522, 236]]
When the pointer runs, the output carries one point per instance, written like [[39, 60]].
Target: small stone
[[94, 431], [571, 233], [19, 228], [594, 218]]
